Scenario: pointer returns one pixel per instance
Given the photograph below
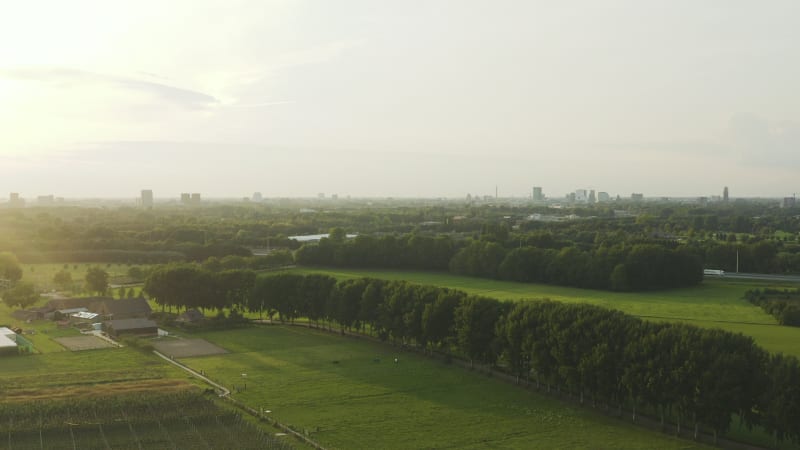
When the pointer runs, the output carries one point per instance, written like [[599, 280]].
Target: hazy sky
[[399, 98]]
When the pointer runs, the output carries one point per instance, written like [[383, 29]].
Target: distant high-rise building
[[335, 197], [637, 197], [15, 201], [195, 198], [789, 202], [603, 197], [538, 196], [186, 198], [147, 198], [581, 195], [321, 195], [591, 198], [725, 194], [257, 197]]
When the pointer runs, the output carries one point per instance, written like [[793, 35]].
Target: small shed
[[136, 327]]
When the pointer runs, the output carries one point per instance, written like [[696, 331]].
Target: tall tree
[[96, 280], [22, 295], [9, 267], [63, 279]]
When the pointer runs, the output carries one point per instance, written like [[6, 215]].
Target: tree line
[[783, 304], [620, 266], [693, 376]]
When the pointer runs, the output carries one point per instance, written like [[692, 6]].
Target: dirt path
[[224, 392]]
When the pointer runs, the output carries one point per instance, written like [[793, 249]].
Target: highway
[[758, 276]]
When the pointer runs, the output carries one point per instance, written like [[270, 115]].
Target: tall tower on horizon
[[147, 198], [538, 196], [725, 194]]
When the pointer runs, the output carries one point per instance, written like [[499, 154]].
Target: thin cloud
[[64, 75], [260, 105]]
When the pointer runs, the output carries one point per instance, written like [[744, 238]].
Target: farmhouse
[[51, 310], [128, 308], [63, 313], [76, 302], [137, 327], [8, 342]]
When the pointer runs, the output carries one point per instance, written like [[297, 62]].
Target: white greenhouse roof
[[6, 342], [72, 310], [85, 315], [6, 331]]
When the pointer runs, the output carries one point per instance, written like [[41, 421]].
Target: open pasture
[[713, 304], [349, 393]]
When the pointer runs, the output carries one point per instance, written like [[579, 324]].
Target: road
[[758, 276]]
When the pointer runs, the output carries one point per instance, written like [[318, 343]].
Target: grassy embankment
[[713, 304]]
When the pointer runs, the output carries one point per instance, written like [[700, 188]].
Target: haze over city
[[434, 98]]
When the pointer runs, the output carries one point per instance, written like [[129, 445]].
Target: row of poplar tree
[[693, 376]]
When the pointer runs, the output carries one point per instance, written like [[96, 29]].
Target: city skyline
[[147, 197]]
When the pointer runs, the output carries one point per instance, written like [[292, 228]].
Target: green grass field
[[713, 304], [349, 393]]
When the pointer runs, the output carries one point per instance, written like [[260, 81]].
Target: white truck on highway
[[715, 272]]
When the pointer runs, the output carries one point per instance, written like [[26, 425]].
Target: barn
[[127, 308], [136, 327]]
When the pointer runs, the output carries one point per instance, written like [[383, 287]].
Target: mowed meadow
[[716, 303], [350, 393]]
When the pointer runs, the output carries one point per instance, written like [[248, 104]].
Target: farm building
[[83, 317], [127, 308], [76, 302], [138, 327], [64, 313], [8, 342], [52, 308]]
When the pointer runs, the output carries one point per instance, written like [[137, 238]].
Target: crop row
[[185, 420]]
